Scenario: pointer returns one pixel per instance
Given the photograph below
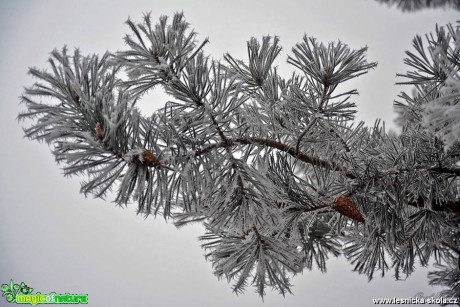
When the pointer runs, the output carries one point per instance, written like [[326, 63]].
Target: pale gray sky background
[[54, 239]]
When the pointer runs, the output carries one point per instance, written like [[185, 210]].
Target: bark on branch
[[282, 147]]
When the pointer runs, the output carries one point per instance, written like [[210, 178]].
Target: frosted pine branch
[[277, 169]]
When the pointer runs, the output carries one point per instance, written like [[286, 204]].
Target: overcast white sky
[[54, 239]]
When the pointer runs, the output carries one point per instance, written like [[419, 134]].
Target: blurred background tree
[[416, 5]]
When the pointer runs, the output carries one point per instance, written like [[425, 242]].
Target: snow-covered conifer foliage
[[276, 169]]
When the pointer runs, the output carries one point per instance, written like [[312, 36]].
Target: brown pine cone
[[346, 207]]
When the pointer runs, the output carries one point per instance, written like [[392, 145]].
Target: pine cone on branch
[[149, 159], [99, 132], [346, 207]]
